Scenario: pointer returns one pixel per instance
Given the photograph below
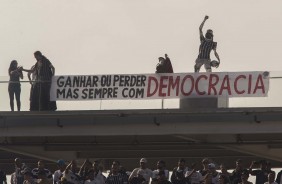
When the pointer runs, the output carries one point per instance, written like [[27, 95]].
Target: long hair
[[12, 66], [38, 53]]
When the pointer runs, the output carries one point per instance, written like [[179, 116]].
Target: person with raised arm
[[206, 46]]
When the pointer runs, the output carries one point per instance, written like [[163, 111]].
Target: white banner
[[158, 86]]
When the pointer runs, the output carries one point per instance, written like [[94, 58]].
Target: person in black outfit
[[3, 178], [161, 179], [278, 178], [262, 173], [14, 88], [235, 176], [164, 65], [44, 70]]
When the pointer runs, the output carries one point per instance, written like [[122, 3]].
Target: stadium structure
[[200, 127]]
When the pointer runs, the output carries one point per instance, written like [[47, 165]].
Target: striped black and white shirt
[[206, 47], [47, 173], [115, 179]]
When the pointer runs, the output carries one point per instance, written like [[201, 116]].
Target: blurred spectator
[[269, 167], [28, 179], [205, 164], [84, 170], [42, 178], [123, 173], [160, 167], [41, 168], [193, 176], [235, 176], [58, 174], [70, 175], [214, 173], [98, 176], [245, 177], [115, 177], [90, 177], [162, 179], [224, 172], [279, 177], [271, 178], [139, 179], [207, 179], [223, 179], [178, 173], [147, 172], [3, 179], [17, 177], [262, 173]]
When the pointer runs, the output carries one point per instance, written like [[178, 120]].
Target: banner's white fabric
[[157, 86]]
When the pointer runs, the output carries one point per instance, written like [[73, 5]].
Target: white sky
[[127, 36]]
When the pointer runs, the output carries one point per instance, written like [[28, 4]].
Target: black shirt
[[3, 177], [261, 176]]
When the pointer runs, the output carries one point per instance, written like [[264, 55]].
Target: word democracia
[[159, 86]]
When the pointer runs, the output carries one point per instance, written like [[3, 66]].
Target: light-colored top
[[148, 173], [195, 178]]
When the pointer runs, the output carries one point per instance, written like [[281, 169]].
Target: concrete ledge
[[205, 103]]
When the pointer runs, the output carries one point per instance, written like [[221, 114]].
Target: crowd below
[[92, 173]]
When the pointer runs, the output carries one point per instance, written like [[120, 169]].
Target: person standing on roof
[[206, 46]]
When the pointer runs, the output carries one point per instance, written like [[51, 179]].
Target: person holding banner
[[164, 65], [206, 46], [44, 70]]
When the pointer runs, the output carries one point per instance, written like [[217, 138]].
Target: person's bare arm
[[17, 72], [83, 166], [133, 173], [21, 74], [31, 70], [68, 167], [190, 174], [217, 56], [202, 25], [14, 72]]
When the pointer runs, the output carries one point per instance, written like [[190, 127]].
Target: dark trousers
[[40, 97], [15, 90]]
